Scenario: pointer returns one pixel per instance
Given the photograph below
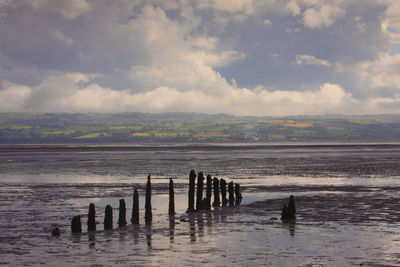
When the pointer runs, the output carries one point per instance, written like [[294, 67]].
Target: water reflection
[[291, 225], [171, 228], [192, 227], [92, 239], [135, 234], [200, 224], [148, 234]]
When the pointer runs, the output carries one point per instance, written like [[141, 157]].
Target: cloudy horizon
[[239, 57]]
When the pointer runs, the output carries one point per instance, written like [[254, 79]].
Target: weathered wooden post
[[222, 184], [122, 213], [207, 204], [291, 208], [135, 208], [192, 177], [171, 209], [216, 202], [76, 226], [91, 223], [231, 194], [200, 183], [289, 211], [238, 195], [108, 218], [148, 214]]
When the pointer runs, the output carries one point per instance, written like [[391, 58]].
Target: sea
[[347, 198]]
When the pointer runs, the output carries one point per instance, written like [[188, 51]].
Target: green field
[[192, 127]]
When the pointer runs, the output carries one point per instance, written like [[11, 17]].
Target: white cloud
[[13, 96], [310, 60], [70, 9], [322, 16], [70, 96], [383, 72], [245, 6], [61, 37]]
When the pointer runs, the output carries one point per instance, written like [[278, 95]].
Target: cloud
[[383, 72], [70, 9], [71, 96], [310, 60], [207, 56]]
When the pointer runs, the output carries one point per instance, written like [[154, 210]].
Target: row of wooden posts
[[219, 185]]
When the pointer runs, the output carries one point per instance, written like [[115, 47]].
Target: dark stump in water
[[135, 208], [207, 202], [231, 194], [289, 211], [200, 183], [192, 177], [291, 208], [148, 216], [238, 195], [76, 226], [222, 184], [122, 213], [216, 202], [108, 217], [171, 208], [56, 231], [91, 223]]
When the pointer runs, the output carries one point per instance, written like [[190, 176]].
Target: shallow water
[[347, 199]]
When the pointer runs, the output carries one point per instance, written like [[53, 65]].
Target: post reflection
[[200, 224], [171, 228], [192, 227], [148, 234], [92, 239]]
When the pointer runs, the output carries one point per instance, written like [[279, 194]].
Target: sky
[[239, 57]]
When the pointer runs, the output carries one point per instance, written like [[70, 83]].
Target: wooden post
[[135, 208], [238, 195], [291, 208], [216, 202], [222, 184], [122, 213], [208, 193], [148, 213], [91, 223], [192, 177], [108, 218], [200, 183], [76, 226], [231, 194], [171, 209]]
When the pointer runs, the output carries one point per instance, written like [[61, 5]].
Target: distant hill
[[192, 127]]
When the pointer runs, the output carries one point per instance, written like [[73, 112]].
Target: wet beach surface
[[347, 201]]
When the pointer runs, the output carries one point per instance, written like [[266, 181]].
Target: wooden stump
[[122, 213], [148, 213], [207, 202], [192, 177], [222, 184], [91, 223], [76, 226], [291, 208], [231, 194], [200, 183], [135, 208], [238, 195], [171, 208], [216, 202], [108, 217]]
